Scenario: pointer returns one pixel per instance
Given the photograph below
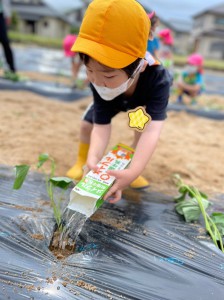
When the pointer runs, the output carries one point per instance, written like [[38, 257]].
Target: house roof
[[174, 21], [44, 8], [180, 25], [38, 10], [217, 10]]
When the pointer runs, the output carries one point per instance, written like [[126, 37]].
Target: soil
[[37, 236], [107, 218], [28, 208], [60, 253], [189, 145], [86, 285]]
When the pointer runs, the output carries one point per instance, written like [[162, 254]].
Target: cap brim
[[103, 54]]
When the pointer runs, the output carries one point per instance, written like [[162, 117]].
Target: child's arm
[[144, 150], [99, 140]]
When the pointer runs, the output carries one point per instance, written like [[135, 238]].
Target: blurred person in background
[[166, 49], [5, 19], [190, 81], [153, 41], [76, 62]]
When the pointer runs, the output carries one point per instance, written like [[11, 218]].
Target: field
[[189, 145], [135, 249]]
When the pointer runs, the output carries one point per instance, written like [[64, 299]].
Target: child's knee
[[86, 127]]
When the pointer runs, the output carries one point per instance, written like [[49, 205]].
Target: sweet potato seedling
[[191, 203], [63, 183]]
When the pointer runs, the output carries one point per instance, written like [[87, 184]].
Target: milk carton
[[87, 196]]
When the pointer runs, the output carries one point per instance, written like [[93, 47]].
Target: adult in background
[[5, 19]]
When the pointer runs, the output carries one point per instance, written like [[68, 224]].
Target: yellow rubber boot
[[76, 171], [139, 183]]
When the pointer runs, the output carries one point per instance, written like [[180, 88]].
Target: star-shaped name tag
[[138, 118]]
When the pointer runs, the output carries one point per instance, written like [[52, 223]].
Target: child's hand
[[90, 165], [123, 179]]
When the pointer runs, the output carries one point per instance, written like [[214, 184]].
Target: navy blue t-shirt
[[152, 92]]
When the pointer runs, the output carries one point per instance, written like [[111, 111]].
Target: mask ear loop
[[139, 67]]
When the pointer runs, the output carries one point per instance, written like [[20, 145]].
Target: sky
[[180, 9], [64, 5], [168, 10]]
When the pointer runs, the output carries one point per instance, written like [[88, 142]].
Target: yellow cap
[[114, 32]]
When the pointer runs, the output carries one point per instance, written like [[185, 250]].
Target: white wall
[[202, 24], [52, 28], [183, 43], [205, 45]]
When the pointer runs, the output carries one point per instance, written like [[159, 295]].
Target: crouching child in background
[[190, 81]]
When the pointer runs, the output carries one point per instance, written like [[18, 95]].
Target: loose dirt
[[189, 145]]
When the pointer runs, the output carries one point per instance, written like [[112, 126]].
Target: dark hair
[[154, 20], [129, 70]]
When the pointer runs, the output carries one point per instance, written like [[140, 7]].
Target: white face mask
[[109, 94], [190, 69]]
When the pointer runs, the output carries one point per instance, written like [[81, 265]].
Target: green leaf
[[203, 195], [218, 219], [190, 193], [183, 190], [42, 159], [61, 182], [21, 172], [180, 197], [190, 208]]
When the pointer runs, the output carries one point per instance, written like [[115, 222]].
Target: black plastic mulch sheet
[[47, 89], [137, 249], [204, 113]]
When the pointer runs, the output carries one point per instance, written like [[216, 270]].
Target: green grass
[[35, 39], [57, 43]]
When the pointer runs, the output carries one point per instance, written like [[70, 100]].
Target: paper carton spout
[[82, 203]]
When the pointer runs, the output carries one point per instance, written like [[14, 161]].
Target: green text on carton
[[87, 196]]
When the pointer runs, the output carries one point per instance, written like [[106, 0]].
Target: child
[[191, 81], [112, 44], [153, 41], [165, 52], [75, 60]]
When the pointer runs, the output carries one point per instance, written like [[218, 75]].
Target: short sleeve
[[199, 79], [157, 105], [156, 43]]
